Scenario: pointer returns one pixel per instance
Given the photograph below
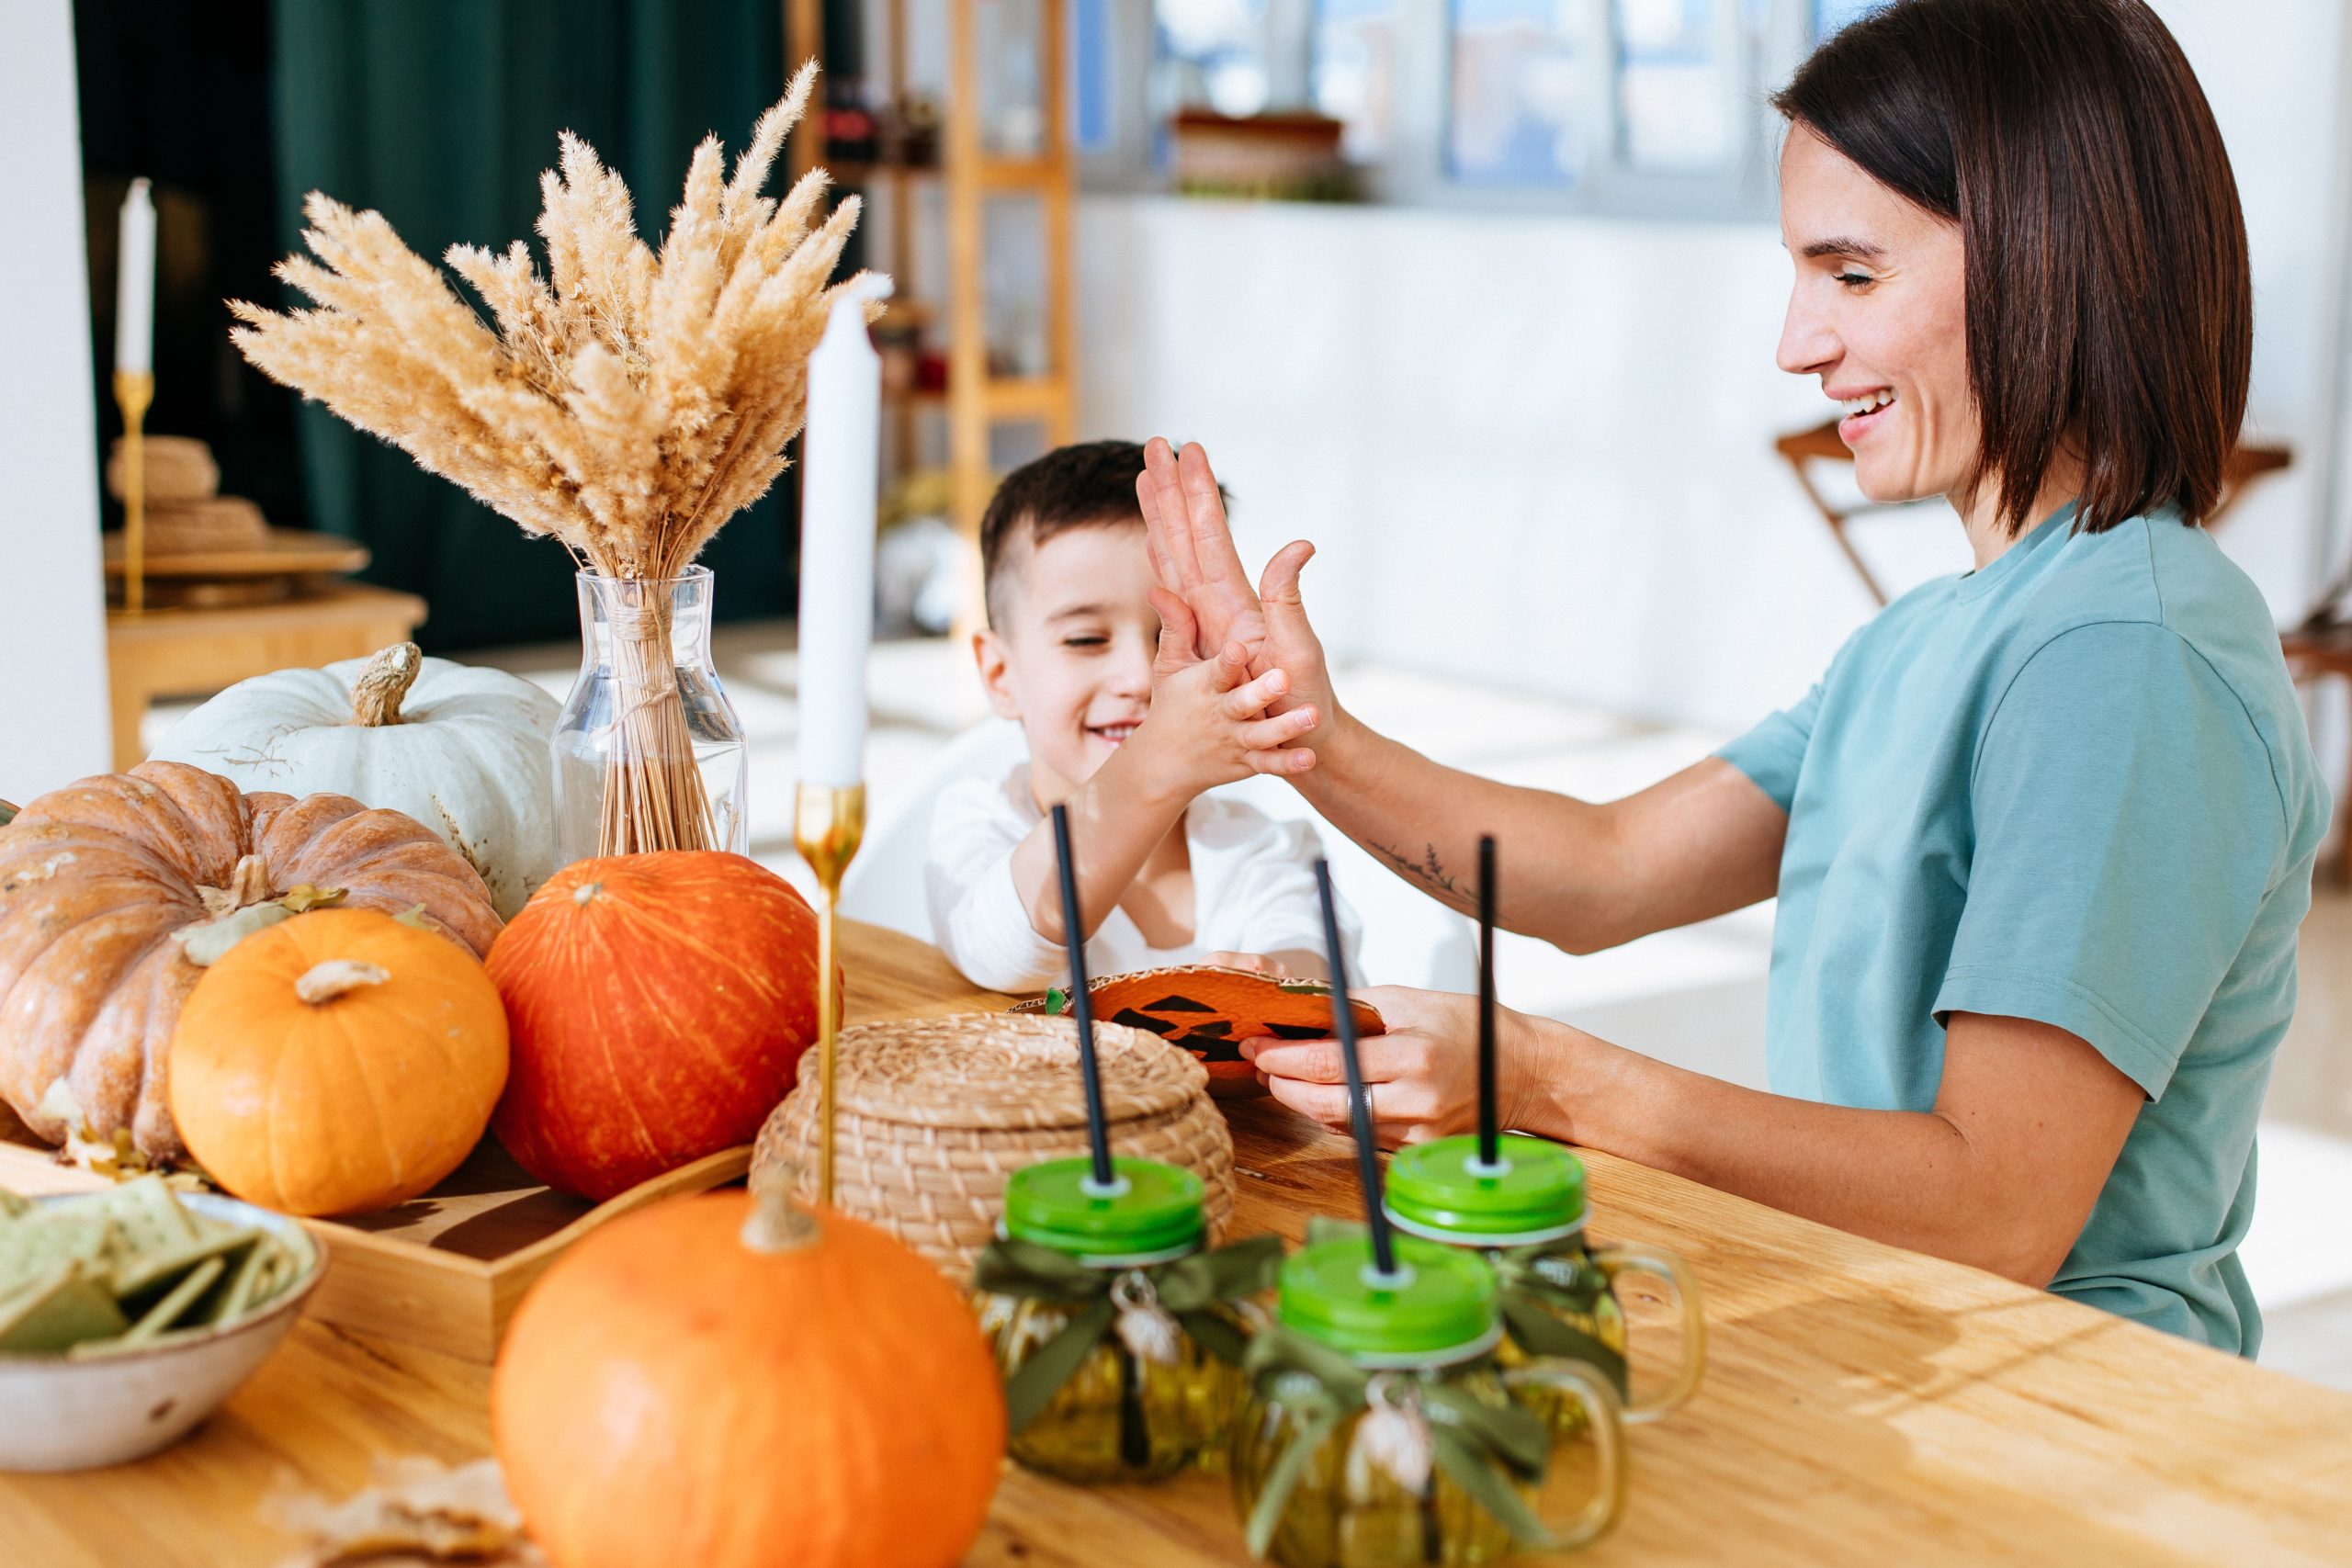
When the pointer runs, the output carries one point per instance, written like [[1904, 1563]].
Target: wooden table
[[1863, 1406], [180, 652]]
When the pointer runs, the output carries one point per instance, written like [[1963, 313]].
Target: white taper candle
[[842, 453], [134, 295]]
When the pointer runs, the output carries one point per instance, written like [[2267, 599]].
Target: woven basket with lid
[[933, 1115]]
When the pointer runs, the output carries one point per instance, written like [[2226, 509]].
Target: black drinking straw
[[1081, 1002], [1343, 1016], [1489, 1135]]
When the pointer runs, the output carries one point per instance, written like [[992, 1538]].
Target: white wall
[[1537, 449], [52, 642]]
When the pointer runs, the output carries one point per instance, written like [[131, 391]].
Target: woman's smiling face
[[1879, 312]]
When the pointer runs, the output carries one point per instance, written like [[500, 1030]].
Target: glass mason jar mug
[[1379, 1430], [1119, 1336], [649, 753], [1557, 1294]]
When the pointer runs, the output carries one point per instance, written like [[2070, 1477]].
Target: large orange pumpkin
[[338, 1062], [695, 1384], [95, 878], [659, 1004]]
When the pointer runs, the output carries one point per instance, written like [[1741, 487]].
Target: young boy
[[1128, 729]]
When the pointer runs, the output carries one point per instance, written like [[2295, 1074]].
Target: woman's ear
[[988, 653]]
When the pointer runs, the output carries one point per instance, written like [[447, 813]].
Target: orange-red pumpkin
[[694, 1383], [338, 1062], [658, 1006]]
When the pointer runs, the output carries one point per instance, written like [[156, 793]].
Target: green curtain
[[440, 114]]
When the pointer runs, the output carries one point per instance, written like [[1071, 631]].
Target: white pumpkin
[[462, 750]]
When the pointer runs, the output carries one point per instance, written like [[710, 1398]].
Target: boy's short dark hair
[[1087, 485]]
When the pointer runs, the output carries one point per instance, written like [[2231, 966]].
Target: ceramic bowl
[[68, 1415]]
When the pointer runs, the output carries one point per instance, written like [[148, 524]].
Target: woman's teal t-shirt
[[2074, 786]]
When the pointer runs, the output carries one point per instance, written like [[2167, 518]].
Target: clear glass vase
[[649, 753]]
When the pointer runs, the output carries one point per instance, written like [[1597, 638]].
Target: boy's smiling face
[[1071, 653]]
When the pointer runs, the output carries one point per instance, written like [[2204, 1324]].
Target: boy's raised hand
[[1208, 723]]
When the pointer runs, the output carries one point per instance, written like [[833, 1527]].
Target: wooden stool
[[185, 651]]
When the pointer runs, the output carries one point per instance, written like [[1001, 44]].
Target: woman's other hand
[[1193, 555], [1422, 1075]]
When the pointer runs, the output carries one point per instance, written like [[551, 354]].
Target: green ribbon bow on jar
[[1482, 1447], [1183, 1289], [1532, 1285]]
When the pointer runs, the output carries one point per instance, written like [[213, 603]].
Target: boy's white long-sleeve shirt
[[1253, 890]]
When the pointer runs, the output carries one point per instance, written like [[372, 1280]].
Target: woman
[[2042, 834]]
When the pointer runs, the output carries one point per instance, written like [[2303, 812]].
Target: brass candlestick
[[133, 391], [828, 826]]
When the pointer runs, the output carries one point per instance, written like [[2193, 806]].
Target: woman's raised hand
[[1193, 554]]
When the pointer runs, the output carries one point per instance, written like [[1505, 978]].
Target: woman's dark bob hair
[[2110, 305]]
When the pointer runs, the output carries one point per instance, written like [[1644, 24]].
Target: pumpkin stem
[[777, 1222], [324, 982], [248, 883], [376, 697], [586, 891]]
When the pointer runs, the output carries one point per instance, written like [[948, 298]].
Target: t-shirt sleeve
[[2127, 827], [1772, 753], [977, 914]]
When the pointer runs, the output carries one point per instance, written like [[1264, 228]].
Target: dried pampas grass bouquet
[[625, 402]]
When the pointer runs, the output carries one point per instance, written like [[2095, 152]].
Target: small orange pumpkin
[[737, 1384], [337, 1062]]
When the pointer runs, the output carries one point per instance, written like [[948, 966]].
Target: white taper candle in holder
[[134, 379], [134, 287], [841, 481], [839, 484]]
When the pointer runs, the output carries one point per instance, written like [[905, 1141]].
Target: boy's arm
[[977, 916]]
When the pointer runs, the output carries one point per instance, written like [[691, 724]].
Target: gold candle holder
[[828, 826], [133, 391]]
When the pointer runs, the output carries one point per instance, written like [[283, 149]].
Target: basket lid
[[1437, 1189], [996, 1070], [1153, 1211], [1440, 1308]]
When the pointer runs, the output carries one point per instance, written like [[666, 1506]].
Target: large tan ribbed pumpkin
[[96, 877]]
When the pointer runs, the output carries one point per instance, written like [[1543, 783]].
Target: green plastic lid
[[1155, 1210], [1438, 1190], [1442, 1308]]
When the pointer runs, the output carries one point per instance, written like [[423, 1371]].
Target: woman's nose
[[1809, 344]]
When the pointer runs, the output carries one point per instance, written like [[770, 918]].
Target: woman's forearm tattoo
[[1428, 869]]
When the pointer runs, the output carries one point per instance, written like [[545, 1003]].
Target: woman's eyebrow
[[1861, 249]]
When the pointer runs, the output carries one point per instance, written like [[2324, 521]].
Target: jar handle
[[1682, 1290], [1604, 1422]]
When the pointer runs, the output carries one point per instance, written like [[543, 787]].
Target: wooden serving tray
[[445, 1272]]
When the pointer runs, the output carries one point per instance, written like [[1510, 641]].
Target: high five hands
[[1193, 555]]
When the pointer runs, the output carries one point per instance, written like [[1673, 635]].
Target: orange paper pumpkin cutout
[[1209, 1012]]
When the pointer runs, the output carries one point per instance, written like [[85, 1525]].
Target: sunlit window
[[1355, 72], [1674, 102], [1516, 115], [1216, 54]]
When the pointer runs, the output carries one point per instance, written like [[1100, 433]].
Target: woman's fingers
[[1166, 515], [1212, 541]]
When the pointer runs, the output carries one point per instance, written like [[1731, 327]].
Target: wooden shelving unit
[[976, 401]]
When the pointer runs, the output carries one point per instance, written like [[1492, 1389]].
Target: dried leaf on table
[[418, 1512]]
